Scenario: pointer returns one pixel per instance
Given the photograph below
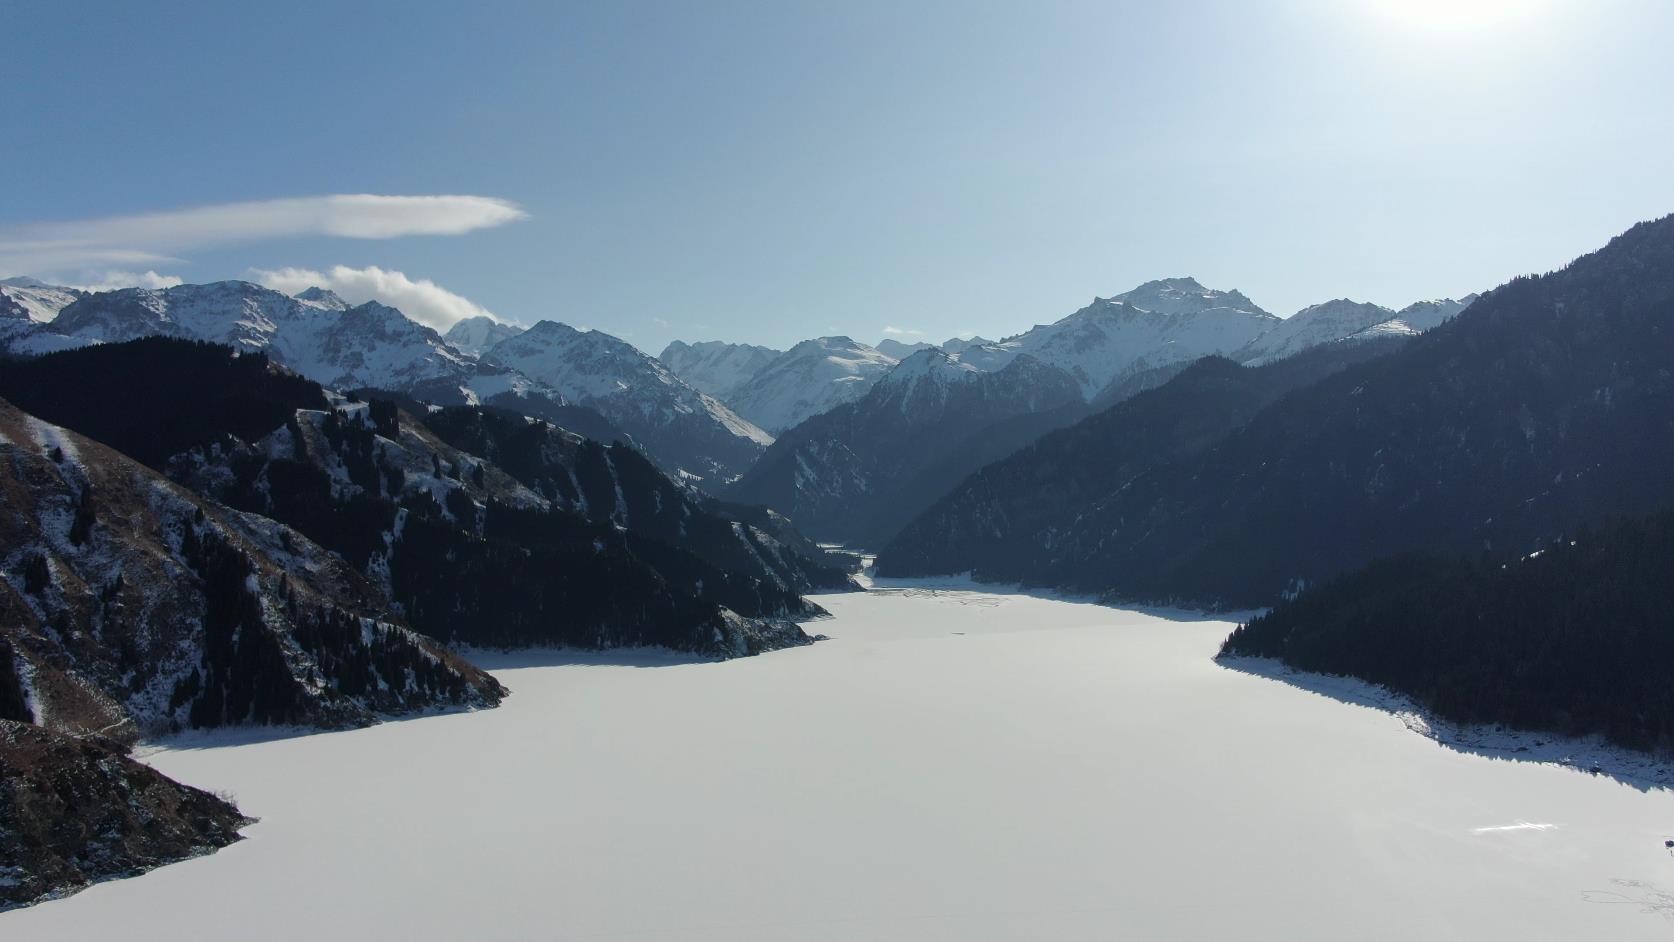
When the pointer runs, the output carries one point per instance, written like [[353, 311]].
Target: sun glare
[[1456, 14]]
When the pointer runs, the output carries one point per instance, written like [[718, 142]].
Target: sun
[[1452, 15]]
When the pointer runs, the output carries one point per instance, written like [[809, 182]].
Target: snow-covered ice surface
[[954, 764]]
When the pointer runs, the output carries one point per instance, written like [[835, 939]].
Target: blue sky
[[766, 172]]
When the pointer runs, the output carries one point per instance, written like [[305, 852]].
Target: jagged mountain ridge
[[1543, 406], [681, 427], [1011, 521], [715, 366], [1341, 320], [1113, 338], [425, 520], [858, 472], [900, 350], [854, 473], [618, 486], [372, 345], [812, 377], [475, 335], [316, 334], [35, 300]]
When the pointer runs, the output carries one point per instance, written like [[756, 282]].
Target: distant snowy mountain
[[1311, 326], [960, 344], [899, 350], [347, 347], [1423, 315], [812, 377], [859, 471], [22, 335], [316, 333], [714, 366], [1159, 323], [475, 335], [1343, 319], [681, 427], [35, 300]]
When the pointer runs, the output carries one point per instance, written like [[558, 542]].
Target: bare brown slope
[[75, 811]]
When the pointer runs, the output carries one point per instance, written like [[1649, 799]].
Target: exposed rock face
[[135, 606], [682, 428], [618, 486], [535, 536], [75, 811]]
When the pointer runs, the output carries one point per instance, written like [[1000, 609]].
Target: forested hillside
[[1546, 405], [1574, 639]]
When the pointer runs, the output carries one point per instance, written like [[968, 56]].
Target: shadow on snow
[[1590, 755]]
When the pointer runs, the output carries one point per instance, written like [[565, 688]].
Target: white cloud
[[112, 280], [423, 300], [903, 332], [142, 239]]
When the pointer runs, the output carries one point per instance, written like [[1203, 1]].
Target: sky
[[767, 172]]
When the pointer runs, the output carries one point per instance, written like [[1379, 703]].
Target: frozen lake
[[952, 765]]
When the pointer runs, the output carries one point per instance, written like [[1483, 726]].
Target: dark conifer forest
[[155, 397], [1545, 406], [1575, 639], [622, 557]]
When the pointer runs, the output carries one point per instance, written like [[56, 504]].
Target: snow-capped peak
[[900, 350], [370, 344], [932, 364], [1116, 337], [1183, 296], [39, 302], [477, 335], [595, 368], [812, 377], [961, 344], [1311, 326], [715, 366], [323, 298], [1343, 319]]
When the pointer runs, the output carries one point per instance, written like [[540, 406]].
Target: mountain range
[[373, 346], [710, 412], [860, 471], [227, 506], [1543, 405], [812, 377]]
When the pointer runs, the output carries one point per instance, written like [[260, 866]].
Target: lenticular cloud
[[59, 245]]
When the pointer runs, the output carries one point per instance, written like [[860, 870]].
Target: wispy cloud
[[149, 238], [903, 332], [110, 280], [421, 299]]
